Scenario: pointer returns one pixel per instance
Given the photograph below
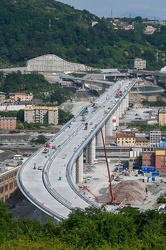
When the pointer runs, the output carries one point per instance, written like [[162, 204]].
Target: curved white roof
[[53, 63]]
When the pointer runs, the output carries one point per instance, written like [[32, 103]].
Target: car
[[91, 123]]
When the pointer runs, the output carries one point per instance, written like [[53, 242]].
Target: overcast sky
[[122, 8]]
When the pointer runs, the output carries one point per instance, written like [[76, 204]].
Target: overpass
[[52, 181]]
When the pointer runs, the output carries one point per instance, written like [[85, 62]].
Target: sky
[[152, 9]]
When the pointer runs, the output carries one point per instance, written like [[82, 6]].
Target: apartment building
[[148, 157], [8, 123], [138, 63], [8, 184], [156, 158], [160, 160], [125, 139], [142, 141], [41, 114], [162, 116], [155, 138]]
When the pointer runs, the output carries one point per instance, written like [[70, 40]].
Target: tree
[[41, 139]]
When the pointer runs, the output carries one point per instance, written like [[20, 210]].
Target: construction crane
[[6, 108], [87, 189], [109, 176]]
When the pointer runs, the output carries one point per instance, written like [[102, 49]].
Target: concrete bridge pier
[[109, 127], [91, 151], [127, 101], [74, 172], [83, 85], [117, 116], [99, 141], [103, 87], [155, 79], [79, 169]]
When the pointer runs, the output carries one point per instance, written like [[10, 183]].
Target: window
[[1, 190], [6, 187]]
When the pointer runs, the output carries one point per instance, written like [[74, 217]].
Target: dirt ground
[[130, 190]]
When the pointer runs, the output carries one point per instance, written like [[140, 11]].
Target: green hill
[[30, 28]]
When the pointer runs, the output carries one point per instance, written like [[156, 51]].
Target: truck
[[83, 118]]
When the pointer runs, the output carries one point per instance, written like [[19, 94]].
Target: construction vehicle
[[45, 150], [87, 189]]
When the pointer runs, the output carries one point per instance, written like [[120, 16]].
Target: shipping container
[[155, 174], [148, 169]]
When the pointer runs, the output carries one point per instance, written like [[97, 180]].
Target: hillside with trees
[[87, 230], [30, 28]]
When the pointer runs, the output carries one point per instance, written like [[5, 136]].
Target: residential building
[[148, 157], [41, 114], [23, 97], [8, 123], [154, 157], [162, 116], [155, 138], [125, 139], [149, 30], [138, 63], [2, 97], [142, 141], [128, 27], [8, 184], [160, 159]]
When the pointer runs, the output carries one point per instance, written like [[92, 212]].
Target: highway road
[[52, 188]]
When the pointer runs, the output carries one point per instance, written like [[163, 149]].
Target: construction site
[[128, 188]]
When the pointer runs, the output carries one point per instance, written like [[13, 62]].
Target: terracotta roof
[[125, 135]]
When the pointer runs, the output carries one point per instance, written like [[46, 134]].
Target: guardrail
[[70, 164]]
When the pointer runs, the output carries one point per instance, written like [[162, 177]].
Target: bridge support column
[[74, 172], [103, 87], [79, 169], [155, 79], [83, 85], [123, 106], [127, 101], [109, 127], [99, 141], [117, 117], [91, 151]]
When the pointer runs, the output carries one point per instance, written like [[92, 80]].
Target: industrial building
[[41, 114], [53, 63]]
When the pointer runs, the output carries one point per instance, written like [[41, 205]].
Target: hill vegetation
[[90, 229], [30, 28]]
